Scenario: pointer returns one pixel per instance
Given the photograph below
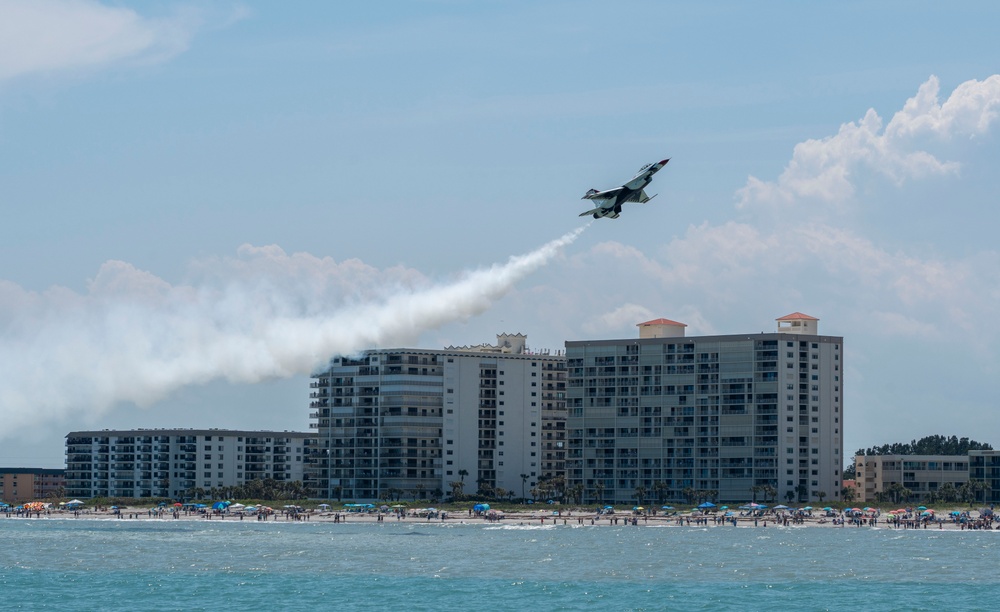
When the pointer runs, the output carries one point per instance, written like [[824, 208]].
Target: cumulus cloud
[[625, 317], [823, 170], [134, 337], [46, 36]]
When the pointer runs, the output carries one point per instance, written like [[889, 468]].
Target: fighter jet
[[610, 201]]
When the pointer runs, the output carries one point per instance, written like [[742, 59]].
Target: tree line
[[930, 445]]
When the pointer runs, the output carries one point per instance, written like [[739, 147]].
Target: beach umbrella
[[781, 507], [918, 508], [827, 509], [328, 505], [666, 508], [723, 507], [707, 504], [808, 508]]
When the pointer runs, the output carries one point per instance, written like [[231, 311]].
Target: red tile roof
[[661, 322], [797, 316]]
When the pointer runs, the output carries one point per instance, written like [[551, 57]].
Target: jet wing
[[592, 211], [594, 194], [639, 197]]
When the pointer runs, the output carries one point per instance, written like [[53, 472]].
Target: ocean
[[69, 564]]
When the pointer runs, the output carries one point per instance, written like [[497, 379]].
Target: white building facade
[[173, 462], [736, 416], [410, 422]]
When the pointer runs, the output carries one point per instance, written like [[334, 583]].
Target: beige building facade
[[909, 478], [18, 485]]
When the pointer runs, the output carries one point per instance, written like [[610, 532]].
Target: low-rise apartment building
[[174, 462], [910, 478], [19, 485]]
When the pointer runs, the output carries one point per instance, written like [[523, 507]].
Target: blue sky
[[180, 181]]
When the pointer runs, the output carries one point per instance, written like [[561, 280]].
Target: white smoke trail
[[133, 337]]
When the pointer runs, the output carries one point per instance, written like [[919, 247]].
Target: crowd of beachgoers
[[750, 515]]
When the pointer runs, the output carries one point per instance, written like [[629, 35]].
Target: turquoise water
[[231, 565]]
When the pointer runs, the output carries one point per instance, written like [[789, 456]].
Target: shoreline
[[515, 518]]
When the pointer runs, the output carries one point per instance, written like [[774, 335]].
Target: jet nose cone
[[664, 162]]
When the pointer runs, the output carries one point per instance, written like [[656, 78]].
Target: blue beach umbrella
[[707, 504]]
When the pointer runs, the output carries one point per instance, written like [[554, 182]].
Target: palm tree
[[456, 488], [640, 494], [821, 495], [418, 491], [847, 495], [599, 490], [660, 490], [524, 479], [462, 474]]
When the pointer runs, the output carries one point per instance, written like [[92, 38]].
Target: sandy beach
[[567, 517]]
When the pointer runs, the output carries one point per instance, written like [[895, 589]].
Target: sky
[[202, 202]]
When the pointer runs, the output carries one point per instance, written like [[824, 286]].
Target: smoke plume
[[133, 337]]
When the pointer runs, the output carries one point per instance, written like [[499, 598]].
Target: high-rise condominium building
[[735, 417], [174, 462], [412, 422]]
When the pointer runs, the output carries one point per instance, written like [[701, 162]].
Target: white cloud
[[46, 36], [824, 170], [621, 319]]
